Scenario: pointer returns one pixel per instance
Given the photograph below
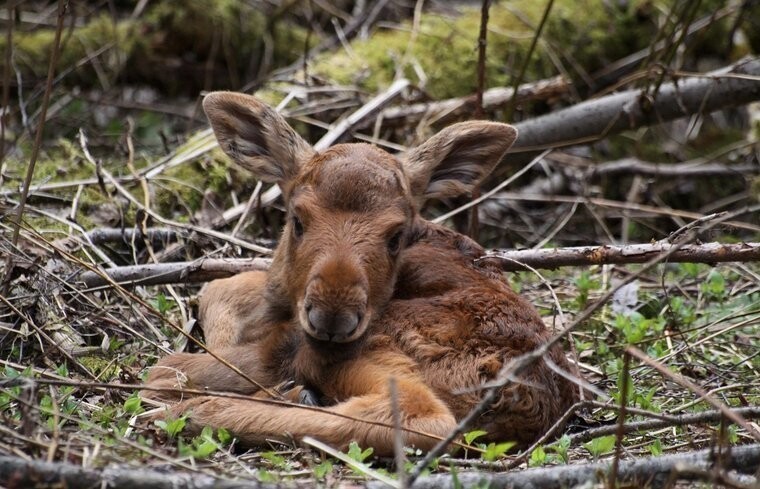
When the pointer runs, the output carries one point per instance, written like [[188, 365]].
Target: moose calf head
[[351, 209]]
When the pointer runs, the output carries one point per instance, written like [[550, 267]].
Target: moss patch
[[582, 35]]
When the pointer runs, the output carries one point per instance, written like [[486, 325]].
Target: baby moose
[[362, 290]]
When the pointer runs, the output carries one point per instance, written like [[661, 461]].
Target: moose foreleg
[[424, 419]]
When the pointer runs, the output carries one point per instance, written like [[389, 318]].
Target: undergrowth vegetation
[[139, 163]]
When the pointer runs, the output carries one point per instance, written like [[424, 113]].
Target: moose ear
[[457, 159], [255, 136]]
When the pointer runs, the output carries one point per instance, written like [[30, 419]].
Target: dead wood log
[[634, 253], [17, 473], [595, 119], [508, 260], [696, 168], [172, 273], [655, 471], [644, 472], [451, 109], [752, 412]]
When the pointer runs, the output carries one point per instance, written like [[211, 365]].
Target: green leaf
[[207, 433], [356, 453], [224, 436], [537, 457], [496, 450], [601, 445], [172, 427], [205, 449], [473, 435], [321, 470], [656, 448], [133, 405], [274, 458]]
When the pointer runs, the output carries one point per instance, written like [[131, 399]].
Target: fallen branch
[[509, 260], [598, 118], [698, 168], [16, 472], [179, 272], [635, 253], [644, 472], [457, 108], [655, 424], [156, 236]]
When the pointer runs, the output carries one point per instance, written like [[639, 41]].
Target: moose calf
[[362, 290]]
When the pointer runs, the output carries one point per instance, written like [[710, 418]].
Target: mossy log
[[179, 47], [580, 38]]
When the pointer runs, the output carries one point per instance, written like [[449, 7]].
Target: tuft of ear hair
[[457, 159]]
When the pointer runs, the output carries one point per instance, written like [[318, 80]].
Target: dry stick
[[190, 227], [158, 315], [204, 270], [518, 79], [594, 119], [521, 457], [62, 5], [615, 70], [518, 364], [614, 204], [626, 254], [398, 441], [4, 117], [445, 110], [654, 424], [695, 168], [650, 472], [686, 383], [478, 113]]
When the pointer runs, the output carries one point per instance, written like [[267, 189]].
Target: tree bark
[[644, 472], [451, 109], [508, 260], [16, 473], [595, 119]]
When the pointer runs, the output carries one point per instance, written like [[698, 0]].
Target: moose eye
[[297, 227], [394, 244]]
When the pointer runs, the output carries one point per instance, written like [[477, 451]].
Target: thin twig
[[686, 383], [518, 79], [62, 6], [5, 115], [668, 421]]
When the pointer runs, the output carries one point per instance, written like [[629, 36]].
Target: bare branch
[[597, 118], [509, 260]]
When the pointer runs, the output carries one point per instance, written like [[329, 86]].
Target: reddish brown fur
[[344, 309]]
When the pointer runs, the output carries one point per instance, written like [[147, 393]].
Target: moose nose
[[332, 325]]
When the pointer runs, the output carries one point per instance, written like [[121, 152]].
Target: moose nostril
[[332, 325], [315, 318]]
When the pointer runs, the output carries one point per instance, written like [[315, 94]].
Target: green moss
[[583, 35], [169, 46], [32, 50], [181, 188], [104, 368]]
